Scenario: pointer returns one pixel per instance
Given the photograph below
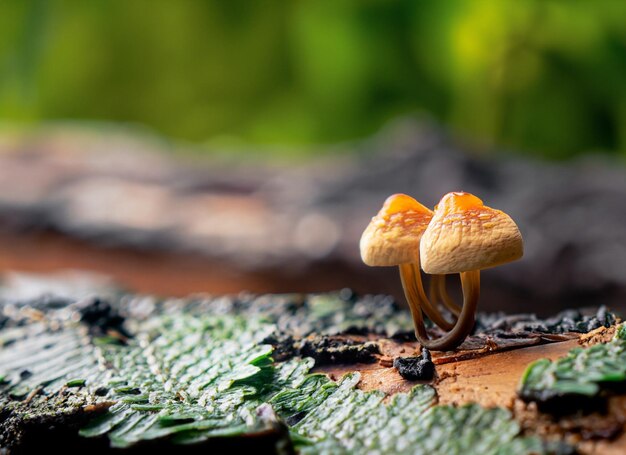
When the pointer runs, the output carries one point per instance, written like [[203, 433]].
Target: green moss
[[352, 421], [75, 382], [190, 377], [583, 372]]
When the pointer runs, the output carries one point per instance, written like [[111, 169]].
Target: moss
[[580, 380], [202, 374]]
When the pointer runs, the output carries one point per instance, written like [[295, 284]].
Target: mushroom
[[392, 238], [464, 236]]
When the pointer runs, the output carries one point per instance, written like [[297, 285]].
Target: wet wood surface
[[492, 380]]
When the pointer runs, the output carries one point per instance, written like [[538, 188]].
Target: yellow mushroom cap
[[393, 236], [466, 235]]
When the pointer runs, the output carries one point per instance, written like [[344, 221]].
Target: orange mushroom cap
[[393, 236], [466, 235]]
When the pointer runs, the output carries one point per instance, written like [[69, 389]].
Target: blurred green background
[[538, 76]]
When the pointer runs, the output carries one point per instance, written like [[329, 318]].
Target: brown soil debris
[[599, 335]]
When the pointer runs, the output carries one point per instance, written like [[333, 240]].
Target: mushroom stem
[[438, 292], [430, 308], [412, 294], [470, 282], [412, 272]]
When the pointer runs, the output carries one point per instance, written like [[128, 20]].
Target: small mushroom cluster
[[461, 236]]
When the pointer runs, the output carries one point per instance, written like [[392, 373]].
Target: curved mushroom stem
[[430, 307], [417, 297], [438, 292], [412, 294], [470, 282]]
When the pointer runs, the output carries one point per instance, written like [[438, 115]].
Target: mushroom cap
[[393, 236], [465, 235]]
